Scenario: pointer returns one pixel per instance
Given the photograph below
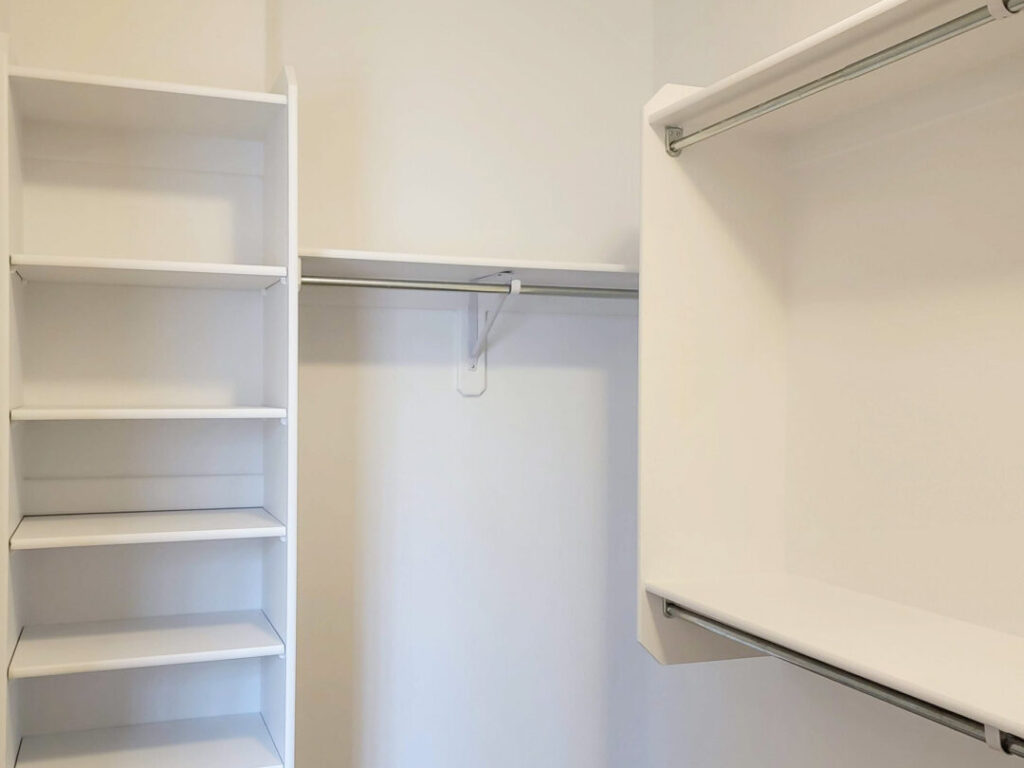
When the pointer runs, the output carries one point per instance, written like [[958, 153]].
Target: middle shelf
[[65, 649], [122, 414], [90, 530]]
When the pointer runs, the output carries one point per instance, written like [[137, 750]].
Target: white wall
[[466, 563], [471, 127], [219, 43]]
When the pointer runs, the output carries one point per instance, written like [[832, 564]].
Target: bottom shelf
[[965, 668], [236, 741]]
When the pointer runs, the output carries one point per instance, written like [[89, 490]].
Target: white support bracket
[[995, 738], [473, 342]]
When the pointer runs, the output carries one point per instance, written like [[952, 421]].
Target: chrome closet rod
[[438, 285], [676, 139], [1011, 744]]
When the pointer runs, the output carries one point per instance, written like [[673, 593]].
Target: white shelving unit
[[830, 364], [151, 344]]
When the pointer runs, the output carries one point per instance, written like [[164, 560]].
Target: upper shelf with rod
[[797, 85], [403, 268], [612, 286], [830, 276]]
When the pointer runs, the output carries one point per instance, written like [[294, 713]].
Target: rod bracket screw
[[672, 135]]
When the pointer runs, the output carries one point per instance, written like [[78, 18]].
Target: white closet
[[831, 366], [151, 342]]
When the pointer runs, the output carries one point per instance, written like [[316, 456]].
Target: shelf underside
[[165, 274], [116, 102], [132, 414], [90, 530], [63, 649], [402, 266], [235, 741], [926, 655]]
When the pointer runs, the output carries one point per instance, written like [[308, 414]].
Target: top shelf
[[968, 57], [404, 266], [117, 102]]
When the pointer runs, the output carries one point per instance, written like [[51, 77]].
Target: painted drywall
[[471, 127], [219, 43]]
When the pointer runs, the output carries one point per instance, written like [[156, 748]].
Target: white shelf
[[170, 274], [65, 649], [405, 266], [235, 741], [92, 530], [879, 26], [123, 414], [924, 654], [140, 104]]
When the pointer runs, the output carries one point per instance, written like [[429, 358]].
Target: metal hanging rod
[[676, 139], [505, 288], [1005, 742]]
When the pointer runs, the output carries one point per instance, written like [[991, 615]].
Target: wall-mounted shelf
[[164, 274], [67, 649], [404, 266], [123, 414], [926, 655], [94, 530], [449, 282], [964, 61], [98, 100], [233, 741]]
